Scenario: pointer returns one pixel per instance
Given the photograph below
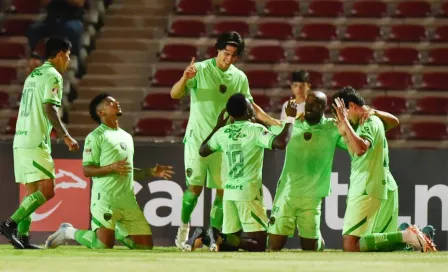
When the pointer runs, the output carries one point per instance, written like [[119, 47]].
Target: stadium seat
[[4, 100], [11, 125], [281, 8], [275, 30], [443, 10], [401, 56], [211, 52], [267, 53], [153, 127], [406, 9], [316, 79], [318, 32], [311, 54], [356, 55], [15, 27], [362, 32], [187, 28], [407, 33], [437, 56], [262, 79], [440, 34], [357, 80], [178, 52], [368, 9], [227, 26], [167, 77], [391, 104], [430, 131], [7, 75], [25, 6], [160, 101], [194, 7], [395, 133], [432, 105], [12, 50], [263, 101], [325, 8], [434, 81], [238, 7], [394, 81]]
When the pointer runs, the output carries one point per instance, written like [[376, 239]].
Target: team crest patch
[[189, 172], [307, 136], [222, 89], [123, 146], [272, 220], [107, 216], [55, 90], [88, 150]]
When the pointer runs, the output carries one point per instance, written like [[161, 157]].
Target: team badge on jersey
[[55, 90], [307, 136], [189, 172], [222, 89], [272, 220], [123, 146]]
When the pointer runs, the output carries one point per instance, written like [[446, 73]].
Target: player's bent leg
[[350, 243], [312, 244], [189, 201], [142, 241], [23, 227], [133, 229], [277, 242], [215, 172]]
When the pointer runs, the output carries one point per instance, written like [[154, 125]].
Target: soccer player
[[370, 220], [210, 83], [33, 164], [243, 144], [300, 87], [108, 160]]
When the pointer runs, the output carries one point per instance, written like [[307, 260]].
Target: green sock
[[24, 226], [232, 240], [89, 239], [28, 206], [381, 241], [189, 202], [216, 213]]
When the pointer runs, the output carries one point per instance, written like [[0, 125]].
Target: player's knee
[[48, 192], [219, 192], [196, 190], [275, 247], [350, 246]]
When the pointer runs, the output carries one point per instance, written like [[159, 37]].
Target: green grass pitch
[[80, 259]]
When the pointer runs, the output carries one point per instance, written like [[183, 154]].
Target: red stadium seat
[[160, 101], [178, 52], [356, 55], [430, 131], [440, 34], [11, 125], [153, 127], [407, 33], [167, 77], [443, 11], [432, 105], [194, 7], [357, 80], [25, 6], [15, 27], [394, 81], [187, 28], [238, 7], [362, 32], [394, 134], [281, 8], [318, 32], [438, 56], [4, 100], [311, 54], [434, 81], [401, 56], [325, 8], [263, 101], [316, 79], [412, 9], [7, 75], [275, 30], [262, 79], [267, 53], [227, 26], [391, 104], [211, 52], [369, 9], [12, 50]]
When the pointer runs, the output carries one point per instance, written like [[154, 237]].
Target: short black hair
[[231, 38], [94, 104], [54, 45], [301, 76], [349, 94], [237, 105]]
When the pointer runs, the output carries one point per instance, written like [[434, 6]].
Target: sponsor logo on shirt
[[123, 146], [233, 187], [21, 132]]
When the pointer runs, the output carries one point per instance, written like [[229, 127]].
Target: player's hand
[[340, 115], [71, 143], [190, 71], [162, 171], [369, 112], [221, 120], [291, 110], [122, 167]]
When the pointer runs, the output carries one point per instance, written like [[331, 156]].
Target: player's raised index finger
[[192, 61]]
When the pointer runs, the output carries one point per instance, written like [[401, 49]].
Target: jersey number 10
[[25, 104]]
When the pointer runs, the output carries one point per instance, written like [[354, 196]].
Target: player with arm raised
[[300, 87], [33, 164], [209, 83], [108, 160], [371, 216]]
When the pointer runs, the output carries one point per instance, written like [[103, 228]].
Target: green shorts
[[31, 165], [289, 212], [130, 221], [199, 169], [360, 215], [387, 217], [249, 216]]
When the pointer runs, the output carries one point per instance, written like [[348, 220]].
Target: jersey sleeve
[[53, 90], [264, 137], [341, 143], [368, 130], [213, 143], [192, 83], [92, 151], [246, 90]]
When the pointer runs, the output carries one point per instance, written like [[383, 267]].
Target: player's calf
[[350, 243], [276, 242], [312, 244]]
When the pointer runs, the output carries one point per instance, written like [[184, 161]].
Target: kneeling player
[[108, 159]]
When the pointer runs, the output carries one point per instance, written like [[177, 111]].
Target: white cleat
[[182, 235], [59, 237]]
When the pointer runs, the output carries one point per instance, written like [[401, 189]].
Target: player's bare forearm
[[264, 117], [356, 145], [178, 90], [205, 150], [53, 115], [281, 140], [97, 171], [389, 120]]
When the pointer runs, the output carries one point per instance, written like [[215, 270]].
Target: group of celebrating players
[[224, 142]]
